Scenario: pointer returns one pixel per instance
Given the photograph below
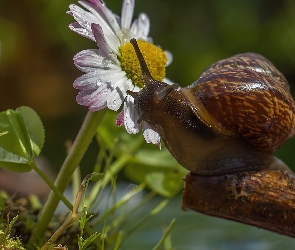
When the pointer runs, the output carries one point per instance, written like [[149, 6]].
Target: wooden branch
[[265, 199]]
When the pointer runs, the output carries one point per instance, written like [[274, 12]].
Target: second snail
[[230, 120]]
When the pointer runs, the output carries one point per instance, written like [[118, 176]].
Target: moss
[[9, 243]]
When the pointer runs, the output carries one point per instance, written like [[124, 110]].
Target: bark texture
[[265, 199]]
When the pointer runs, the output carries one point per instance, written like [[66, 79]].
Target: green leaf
[[21, 138], [96, 176], [156, 157], [34, 129], [147, 161], [165, 184], [12, 140], [13, 162], [158, 169]]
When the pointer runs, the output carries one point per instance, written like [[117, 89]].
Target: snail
[[230, 120]]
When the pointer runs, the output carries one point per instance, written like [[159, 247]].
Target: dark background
[[36, 50]]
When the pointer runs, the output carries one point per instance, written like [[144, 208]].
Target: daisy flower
[[113, 68]]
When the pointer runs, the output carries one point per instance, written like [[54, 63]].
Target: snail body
[[230, 120]]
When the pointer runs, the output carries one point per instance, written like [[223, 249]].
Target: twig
[[265, 199]]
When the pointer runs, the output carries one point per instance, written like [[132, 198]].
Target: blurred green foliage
[[36, 50], [156, 168]]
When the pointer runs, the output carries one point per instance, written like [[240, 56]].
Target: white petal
[[95, 79], [117, 96], [128, 85], [127, 14], [130, 116], [169, 57], [150, 135], [168, 81], [115, 99], [141, 27], [134, 88]]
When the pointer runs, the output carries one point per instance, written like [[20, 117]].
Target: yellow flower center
[[154, 57]]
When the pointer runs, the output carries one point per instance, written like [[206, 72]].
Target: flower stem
[[72, 161]]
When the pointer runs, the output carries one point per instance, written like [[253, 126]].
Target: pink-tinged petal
[[141, 27], [109, 33], [101, 102], [89, 60], [120, 118], [87, 81], [69, 12], [104, 49], [127, 14], [150, 135], [130, 116], [84, 18], [75, 25], [108, 16], [94, 99], [77, 28], [95, 7], [97, 2], [83, 96], [86, 97], [86, 53]]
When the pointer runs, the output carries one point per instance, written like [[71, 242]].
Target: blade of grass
[[165, 235], [124, 199], [107, 177], [156, 210], [119, 240]]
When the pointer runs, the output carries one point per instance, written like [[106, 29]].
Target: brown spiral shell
[[248, 97], [230, 120]]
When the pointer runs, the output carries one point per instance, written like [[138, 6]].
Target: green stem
[[72, 161], [115, 168], [165, 235], [108, 175], [51, 185]]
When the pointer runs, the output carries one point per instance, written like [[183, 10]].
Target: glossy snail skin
[[230, 120]]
